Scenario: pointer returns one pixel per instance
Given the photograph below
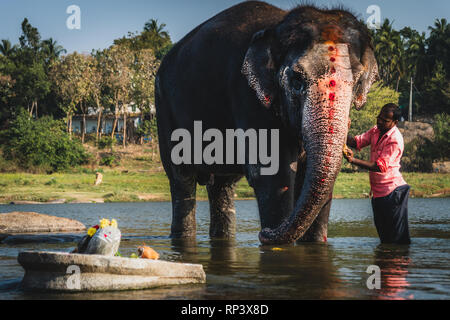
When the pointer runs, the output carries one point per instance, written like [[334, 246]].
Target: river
[[243, 269]]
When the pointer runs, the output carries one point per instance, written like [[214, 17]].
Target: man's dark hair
[[396, 112]]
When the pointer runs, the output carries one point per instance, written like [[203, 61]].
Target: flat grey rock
[[32, 222], [54, 271], [14, 239]]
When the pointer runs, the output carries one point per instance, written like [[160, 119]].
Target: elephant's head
[[310, 68]]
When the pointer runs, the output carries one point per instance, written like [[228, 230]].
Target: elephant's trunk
[[324, 131]]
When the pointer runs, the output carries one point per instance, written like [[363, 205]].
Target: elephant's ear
[[259, 67], [368, 77]]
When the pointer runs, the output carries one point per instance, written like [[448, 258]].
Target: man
[[390, 191]]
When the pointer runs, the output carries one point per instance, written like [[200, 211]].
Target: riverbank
[[153, 185]]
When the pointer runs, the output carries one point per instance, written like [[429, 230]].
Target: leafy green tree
[[437, 90], [41, 143], [153, 36], [69, 80], [6, 48]]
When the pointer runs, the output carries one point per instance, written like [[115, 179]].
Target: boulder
[[106, 241], [61, 271], [27, 222], [412, 130], [441, 167]]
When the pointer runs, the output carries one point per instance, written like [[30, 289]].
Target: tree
[[96, 83], [69, 79], [389, 54], [117, 65], [153, 36], [6, 48], [41, 143], [52, 50]]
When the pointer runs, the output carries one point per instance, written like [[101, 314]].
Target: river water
[[243, 269]]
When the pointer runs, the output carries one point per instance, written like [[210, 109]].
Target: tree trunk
[[70, 126], [115, 120], [99, 108], [84, 128], [32, 109], [124, 127]]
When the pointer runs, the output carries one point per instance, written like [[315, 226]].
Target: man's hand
[[348, 153]]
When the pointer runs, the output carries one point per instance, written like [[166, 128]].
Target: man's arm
[[371, 166]]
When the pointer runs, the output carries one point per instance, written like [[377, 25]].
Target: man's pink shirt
[[387, 154]]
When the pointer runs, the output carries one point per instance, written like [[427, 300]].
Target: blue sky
[[103, 21]]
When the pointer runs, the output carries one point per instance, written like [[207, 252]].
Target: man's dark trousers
[[391, 216]]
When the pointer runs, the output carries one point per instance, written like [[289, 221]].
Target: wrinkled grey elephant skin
[[255, 66]]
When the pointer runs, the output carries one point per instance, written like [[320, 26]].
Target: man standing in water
[[390, 192]]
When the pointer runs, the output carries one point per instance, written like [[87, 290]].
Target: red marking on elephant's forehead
[[332, 59], [332, 96], [332, 83], [325, 238], [331, 33]]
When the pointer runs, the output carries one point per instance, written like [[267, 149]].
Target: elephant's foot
[[183, 208], [318, 232], [223, 213]]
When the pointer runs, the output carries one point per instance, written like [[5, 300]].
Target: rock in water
[[84, 272], [24, 222], [106, 241]]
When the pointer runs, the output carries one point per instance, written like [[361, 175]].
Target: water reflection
[[393, 261], [309, 265], [186, 248]]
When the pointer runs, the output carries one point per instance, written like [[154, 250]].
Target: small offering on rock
[[147, 253], [103, 239]]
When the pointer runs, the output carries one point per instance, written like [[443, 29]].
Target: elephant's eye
[[297, 82]]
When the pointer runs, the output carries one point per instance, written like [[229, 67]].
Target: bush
[[441, 128], [108, 161], [105, 142], [418, 156], [41, 143]]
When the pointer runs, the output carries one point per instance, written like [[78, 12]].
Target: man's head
[[388, 117]]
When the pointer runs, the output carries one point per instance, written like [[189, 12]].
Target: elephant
[[257, 66]]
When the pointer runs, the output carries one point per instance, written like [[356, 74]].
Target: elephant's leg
[[221, 203], [318, 231], [183, 188], [274, 193]]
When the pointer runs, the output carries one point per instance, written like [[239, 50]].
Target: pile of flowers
[[103, 224]]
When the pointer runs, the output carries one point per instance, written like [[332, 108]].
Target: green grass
[[119, 186]]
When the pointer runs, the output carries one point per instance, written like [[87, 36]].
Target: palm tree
[[6, 48], [52, 49], [155, 28], [155, 37], [389, 50], [440, 27]]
